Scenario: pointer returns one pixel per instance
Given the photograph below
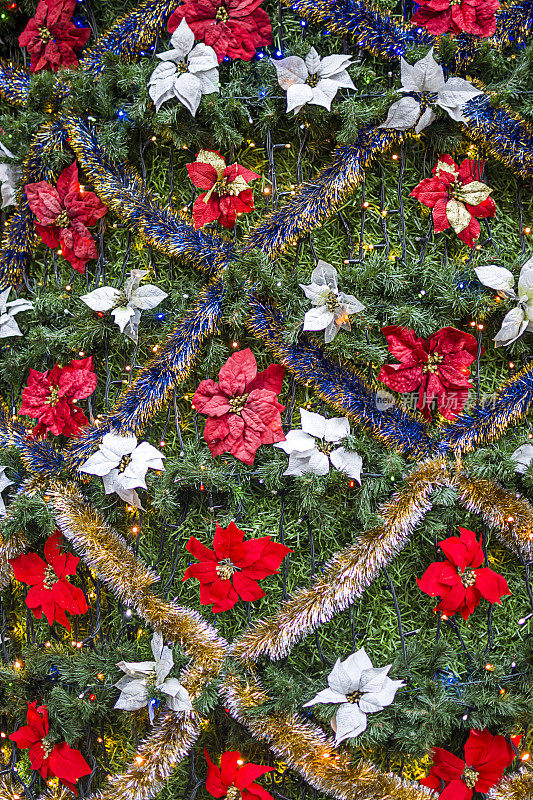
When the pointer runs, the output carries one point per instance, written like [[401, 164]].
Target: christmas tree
[[266, 514]]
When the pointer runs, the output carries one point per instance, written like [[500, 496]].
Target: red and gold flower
[[228, 194], [51, 760], [63, 214], [460, 581], [457, 197], [234, 779], [465, 16], [231, 570], [51, 593], [50, 396], [233, 28], [486, 758], [438, 367], [51, 37], [242, 408]]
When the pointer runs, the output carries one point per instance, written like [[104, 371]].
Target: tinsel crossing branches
[[307, 749], [518, 786], [351, 570]]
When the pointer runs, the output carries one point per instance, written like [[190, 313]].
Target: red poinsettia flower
[[51, 37], [486, 758], [461, 581], [233, 568], [242, 407], [63, 214], [51, 760], [234, 779], [438, 368], [49, 397], [233, 28], [228, 193], [466, 16], [457, 197], [50, 590]]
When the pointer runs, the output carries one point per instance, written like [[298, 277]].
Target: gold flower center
[[124, 461], [354, 697], [324, 447], [332, 301], [432, 365], [222, 14], [237, 404], [312, 80], [233, 793], [181, 67], [50, 577], [62, 220], [53, 396], [44, 34], [47, 745], [470, 777], [468, 577], [225, 570], [121, 301]]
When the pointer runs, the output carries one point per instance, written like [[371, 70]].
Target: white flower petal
[[426, 119], [102, 299], [148, 454], [349, 722], [373, 679], [202, 59], [296, 441], [316, 319], [132, 282], [9, 327], [497, 278], [331, 66], [350, 303], [209, 81], [344, 81], [291, 71], [188, 90], [324, 93], [332, 330], [16, 306], [326, 696], [297, 96], [336, 429], [325, 274], [147, 297], [312, 61], [347, 461], [182, 39], [178, 698], [427, 74], [402, 114], [162, 90], [315, 292], [525, 281], [311, 462], [513, 326], [522, 457], [313, 423], [371, 702], [122, 315], [453, 96]]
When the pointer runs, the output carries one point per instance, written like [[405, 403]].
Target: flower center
[[332, 301], [44, 34], [237, 404], [470, 777], [432, 365], [324, 447], [225, 569], [121, 301], [53, 396], [62, 220], [455, 190], [468, 577], [124, 461], [354, 697], [181, 67], [50, 577], [233, 793], [222, 14], [48, 745], [312, 80], [455, 2]]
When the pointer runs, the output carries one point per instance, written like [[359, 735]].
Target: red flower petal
[[238, 372], [227, 541], [249, 773], [491, 585], [28, 568], [200, 551], [270, 378], [209, 399], [246, 588], [202, 174], [446, 765], [214, 784]]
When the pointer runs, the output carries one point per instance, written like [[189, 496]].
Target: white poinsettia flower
[[10, 174], [8, 323], [126, 304], [311, 449], [315, 80], [143, 676], [519, 319], [522, 457], [423, 85], [122, 464], [4, 483], [360, 689], [333, 308], [186, 72]]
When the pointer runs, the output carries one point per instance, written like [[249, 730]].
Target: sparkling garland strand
[[14, 83], [514, 787]]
